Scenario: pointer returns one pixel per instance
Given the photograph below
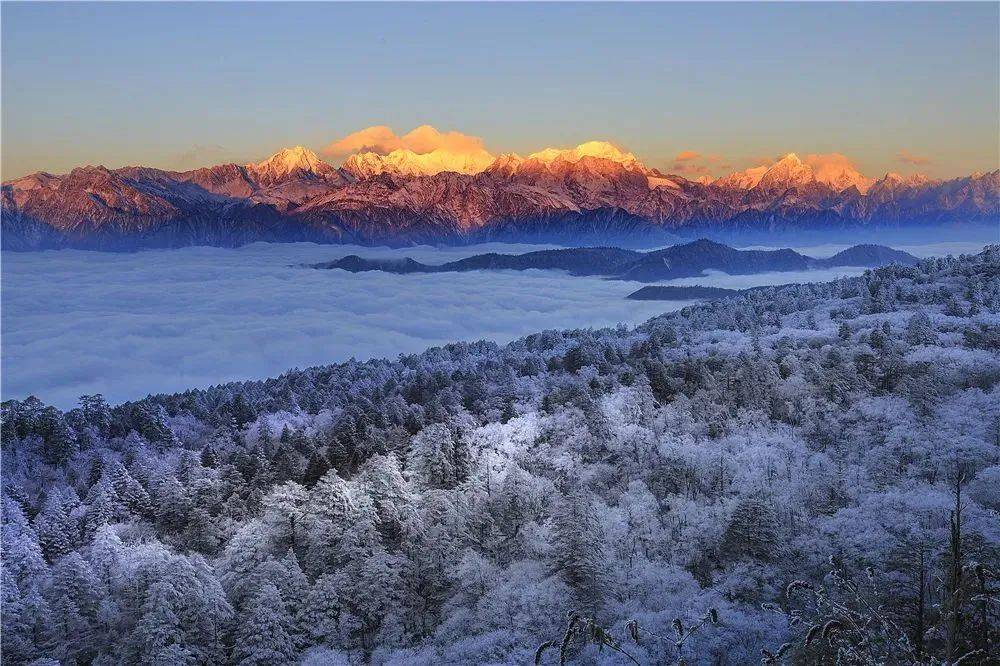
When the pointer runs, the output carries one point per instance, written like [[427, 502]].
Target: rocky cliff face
[[594, 189]]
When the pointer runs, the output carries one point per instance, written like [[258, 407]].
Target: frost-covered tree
[[431, 457], [319, 616], [159, 628], [578, 550], [753, 530], [368, 578], [920, 330], [263, 633]]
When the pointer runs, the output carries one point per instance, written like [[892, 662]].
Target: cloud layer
[[423, 139], [129, 324], [126, 325]]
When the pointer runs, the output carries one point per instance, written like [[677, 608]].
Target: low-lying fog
[[126, 325]]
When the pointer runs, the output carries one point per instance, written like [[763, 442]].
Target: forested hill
[[682, 260], [451, 507]]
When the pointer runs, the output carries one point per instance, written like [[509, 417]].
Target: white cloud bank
[[126, 325]]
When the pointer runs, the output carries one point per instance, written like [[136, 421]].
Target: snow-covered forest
[[802, 474]]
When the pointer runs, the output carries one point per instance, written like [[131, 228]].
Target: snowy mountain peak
[[892, 180], [34, 181], [288, 161], [839, 173], [605, 151], [787, 172], [506, 164], [742, 180], [597, 149], [832, 169], [405, 162]]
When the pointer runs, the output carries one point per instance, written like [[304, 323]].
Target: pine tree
[[96, 413], [103, 507], [24, 623], [106, 555], [367, 576], [96, 471], [71, 630], [246, 551], [57, 530], [753, 530], [241, 412], [151, 422], [203, 533], [315, 469], [72, 576], [159, 629], [578, 550], [283, 509], [59, 444], [576, 359], [263, 636], [23, 561], [294, 588], [173, 505], [432, 457], [319, 616], [130, 491], [205, 612], [381, 479], [266, 436], [208, 458], [920, 330]]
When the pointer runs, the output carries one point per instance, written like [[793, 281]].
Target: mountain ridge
[[592, 190], [677, 261]]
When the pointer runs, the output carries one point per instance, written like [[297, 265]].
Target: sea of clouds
[[126, 325]]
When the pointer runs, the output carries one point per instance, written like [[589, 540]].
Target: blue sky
[[177, 85]]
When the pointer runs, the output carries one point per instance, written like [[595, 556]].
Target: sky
[[899, 87]]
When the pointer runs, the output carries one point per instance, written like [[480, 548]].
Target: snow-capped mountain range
[[594, 189]]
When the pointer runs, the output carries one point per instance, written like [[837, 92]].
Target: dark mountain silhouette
[[685, 260]]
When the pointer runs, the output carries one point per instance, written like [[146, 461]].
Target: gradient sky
[[184, 85]]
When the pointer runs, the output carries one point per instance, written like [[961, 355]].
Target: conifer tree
[[159, 629], [432, 457], [263, 634], [578, 549], [753, 530], [57, 531], [319, 616]]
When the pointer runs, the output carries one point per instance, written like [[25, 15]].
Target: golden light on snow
[[423, 139], [426, 150]]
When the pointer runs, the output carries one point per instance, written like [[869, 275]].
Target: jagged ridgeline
[[454, 506], [595, 193]]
